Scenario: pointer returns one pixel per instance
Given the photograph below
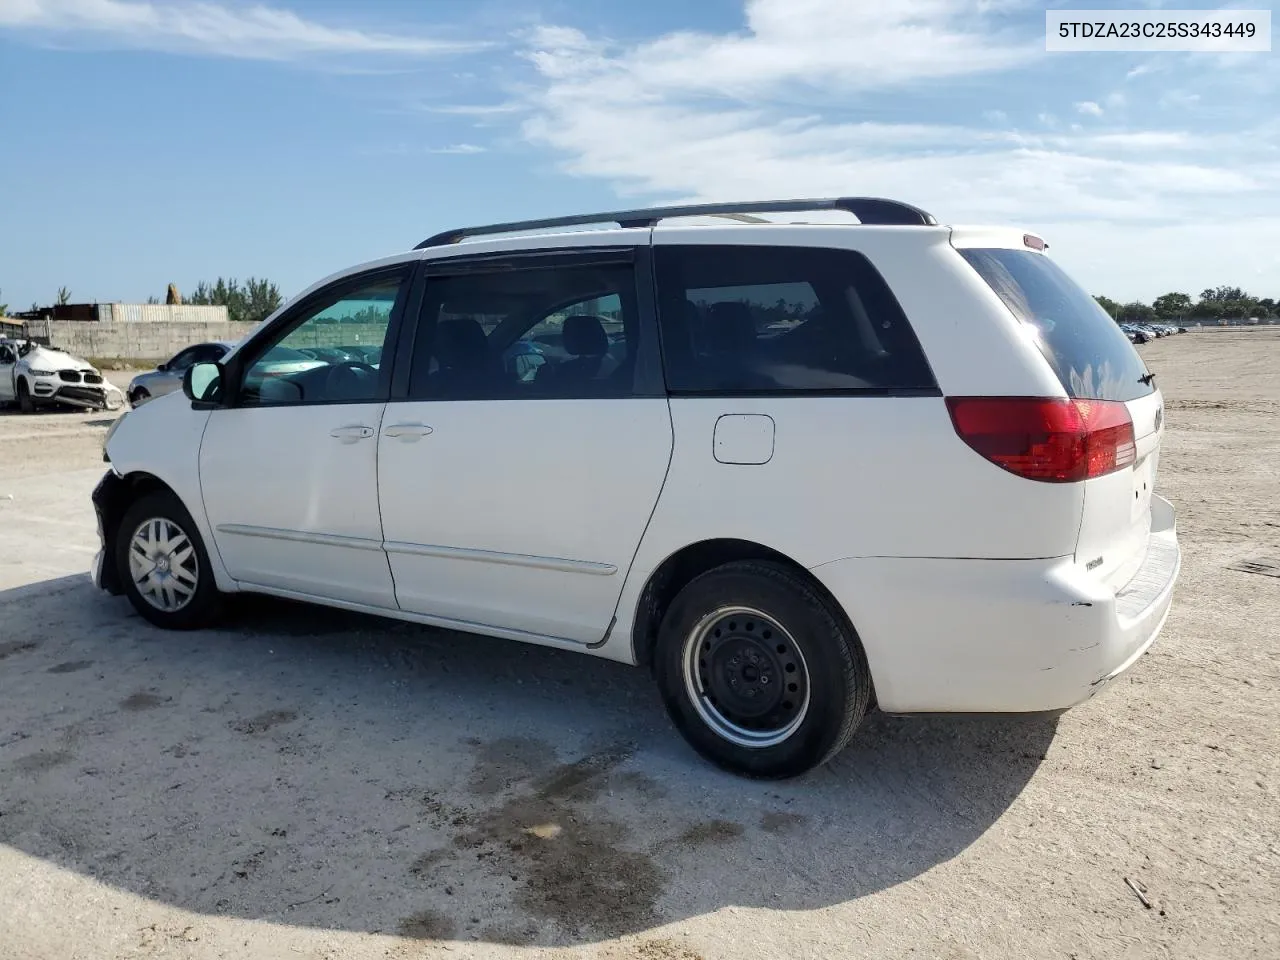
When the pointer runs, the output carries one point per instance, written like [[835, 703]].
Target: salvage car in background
[[33, 376]]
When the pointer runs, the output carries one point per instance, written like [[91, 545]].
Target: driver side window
[[330, 351], [183, 359]]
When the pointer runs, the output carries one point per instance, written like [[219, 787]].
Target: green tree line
[[251, 303], [1213, 304]]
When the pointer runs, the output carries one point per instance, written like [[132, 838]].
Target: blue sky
[[144, 142]]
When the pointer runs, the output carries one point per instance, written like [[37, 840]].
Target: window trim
[[297, 314], [822, 392], [647, 378], [925, 390]]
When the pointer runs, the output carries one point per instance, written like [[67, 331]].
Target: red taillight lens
[[1054, 440]]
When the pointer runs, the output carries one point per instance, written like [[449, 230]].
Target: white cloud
[[661, 120], [1179, 98], [841, 45], [1089, 108], [459, 148], [254, 32], [476, 110]]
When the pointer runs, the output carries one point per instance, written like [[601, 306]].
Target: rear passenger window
[[756, 319], [561, 332]]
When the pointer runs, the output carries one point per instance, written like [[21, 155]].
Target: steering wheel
[[347, 378]]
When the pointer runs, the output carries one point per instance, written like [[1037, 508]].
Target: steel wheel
[[163, 564], [746, 677]]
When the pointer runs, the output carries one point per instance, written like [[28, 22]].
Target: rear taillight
[[1054, 440]]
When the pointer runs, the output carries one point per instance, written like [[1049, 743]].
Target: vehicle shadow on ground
[[321, 769]]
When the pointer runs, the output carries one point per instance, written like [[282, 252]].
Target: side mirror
[[161, 367], [202, 384]]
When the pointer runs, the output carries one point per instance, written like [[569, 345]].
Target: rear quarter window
[[1088, 351], [782, 320]]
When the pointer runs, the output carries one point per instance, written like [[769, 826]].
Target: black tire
[[204, 604], [138, 396], [815, 640], [26, 403]]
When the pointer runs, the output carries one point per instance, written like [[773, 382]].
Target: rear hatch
[[1094, 361]]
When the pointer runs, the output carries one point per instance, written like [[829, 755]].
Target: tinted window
[[782, 319], [184, 359], [209, 353], [296, 367], [1086, 348], [545, 332]]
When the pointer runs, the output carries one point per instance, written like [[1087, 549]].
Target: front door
[[520, 470], [289, 470]]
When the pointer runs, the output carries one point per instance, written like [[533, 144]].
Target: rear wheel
[[758, 672], [26, 403], [163, 565]]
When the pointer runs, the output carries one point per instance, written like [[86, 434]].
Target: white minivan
[[794, 468]]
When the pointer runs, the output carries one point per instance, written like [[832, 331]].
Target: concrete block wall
[[159, 340], [337, 335], [156, 340]]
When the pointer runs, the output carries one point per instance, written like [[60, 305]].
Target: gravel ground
[[312, 784]]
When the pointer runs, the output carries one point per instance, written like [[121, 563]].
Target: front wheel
[[759, 673], [163, 564], [26, 403]]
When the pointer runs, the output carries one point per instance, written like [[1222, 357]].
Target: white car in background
[[34, 376], [792, 468]]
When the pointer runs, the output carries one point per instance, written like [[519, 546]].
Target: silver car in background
[[167, 377]]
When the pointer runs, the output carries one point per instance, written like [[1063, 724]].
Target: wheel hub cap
[[163, 564]]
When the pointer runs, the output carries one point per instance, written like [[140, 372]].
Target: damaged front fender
[[110, 500]]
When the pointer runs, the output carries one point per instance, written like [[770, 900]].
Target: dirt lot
[[318, 785]]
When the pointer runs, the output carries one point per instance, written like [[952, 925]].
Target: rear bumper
[[1001, 636]]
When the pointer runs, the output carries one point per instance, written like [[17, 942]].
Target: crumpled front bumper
[[86, 396], [108, 505]]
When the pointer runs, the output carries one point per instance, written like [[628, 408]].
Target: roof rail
[[868, 210]]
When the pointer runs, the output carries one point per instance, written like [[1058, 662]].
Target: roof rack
[[868, 210]]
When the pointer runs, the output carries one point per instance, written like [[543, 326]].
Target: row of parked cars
[[1144, 332]]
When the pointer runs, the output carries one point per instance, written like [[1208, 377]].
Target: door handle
[[352, 433], [408, 432]]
